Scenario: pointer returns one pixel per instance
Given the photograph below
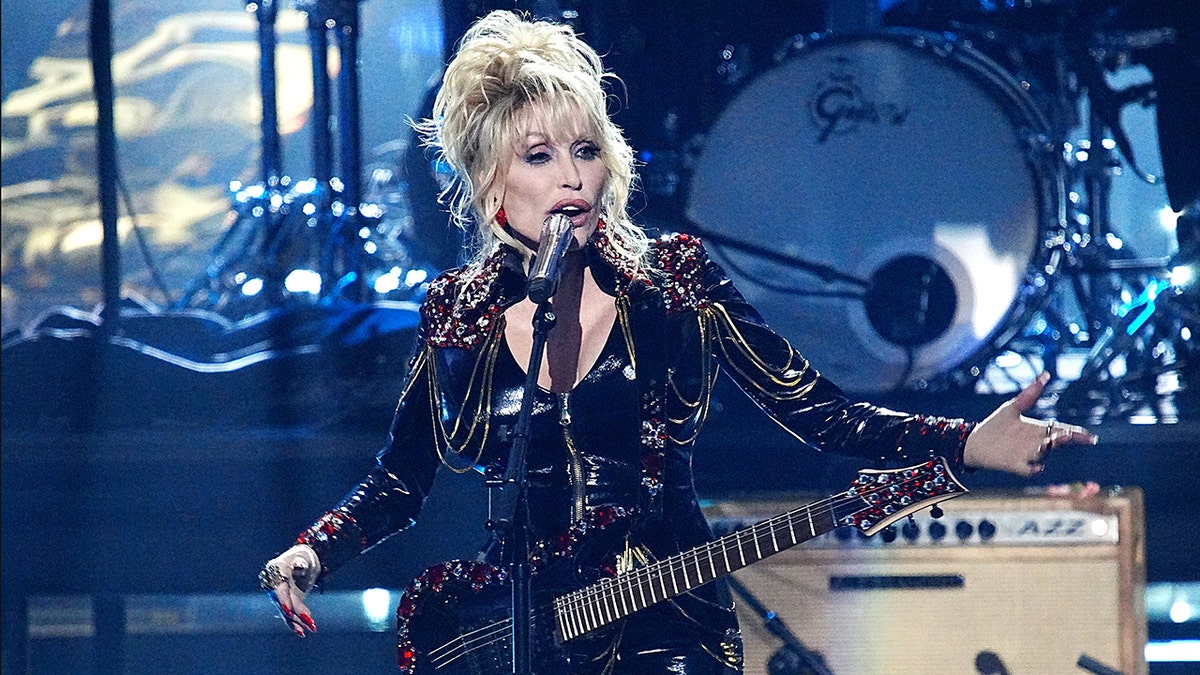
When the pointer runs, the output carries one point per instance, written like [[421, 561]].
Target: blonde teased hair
[[504, 64]]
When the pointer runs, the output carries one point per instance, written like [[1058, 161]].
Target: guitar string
[[462, 646], [577, 600]]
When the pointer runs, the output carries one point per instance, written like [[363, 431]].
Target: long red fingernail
[[308, 621]]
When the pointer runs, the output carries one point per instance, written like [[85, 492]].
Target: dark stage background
[[148, 471]]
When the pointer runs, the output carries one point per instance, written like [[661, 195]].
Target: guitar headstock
[[880, 497]]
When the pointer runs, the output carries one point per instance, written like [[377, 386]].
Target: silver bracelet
[[270, 577]]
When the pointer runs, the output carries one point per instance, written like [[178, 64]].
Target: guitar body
[[455, 617], [457, 602]]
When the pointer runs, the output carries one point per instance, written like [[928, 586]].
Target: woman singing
[[643, 329]]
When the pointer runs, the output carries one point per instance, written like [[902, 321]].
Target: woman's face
[[553, 170]]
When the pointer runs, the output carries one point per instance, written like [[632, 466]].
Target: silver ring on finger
[[1047, 443]]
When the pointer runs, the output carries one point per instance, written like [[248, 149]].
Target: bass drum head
[[905, 160]]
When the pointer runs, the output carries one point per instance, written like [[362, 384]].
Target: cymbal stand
[[252, 223], [1132, 328], [282, 226], [271, 155], [341, 258]]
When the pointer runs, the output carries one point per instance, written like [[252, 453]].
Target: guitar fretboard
[[611, 599]]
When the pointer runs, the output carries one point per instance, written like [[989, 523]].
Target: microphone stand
[[512, 525], [810, 659]]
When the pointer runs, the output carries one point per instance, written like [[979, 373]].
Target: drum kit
[[900, 194]]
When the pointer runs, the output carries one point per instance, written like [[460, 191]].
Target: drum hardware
[[1136, 328], [825, 273], [312, 240]]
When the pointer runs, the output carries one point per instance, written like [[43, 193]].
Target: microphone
[[547, 265]]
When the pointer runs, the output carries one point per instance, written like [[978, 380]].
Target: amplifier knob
[[964, 529], [987, 529], [937, 531]]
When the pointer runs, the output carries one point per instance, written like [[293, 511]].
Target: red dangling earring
[[502, 218]]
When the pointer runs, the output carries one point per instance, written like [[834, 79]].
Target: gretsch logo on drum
[[839, 106]]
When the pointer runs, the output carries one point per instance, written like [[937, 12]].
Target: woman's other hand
[[1009, 441], [288, 578]]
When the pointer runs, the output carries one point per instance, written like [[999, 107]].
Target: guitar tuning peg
[[936, 511], [888, 534]]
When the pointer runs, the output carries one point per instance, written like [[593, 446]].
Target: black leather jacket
[[623, 439]]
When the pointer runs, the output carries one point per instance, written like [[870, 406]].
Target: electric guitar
[[455, 616]]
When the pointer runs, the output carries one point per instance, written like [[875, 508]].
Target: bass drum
[[914, 167]]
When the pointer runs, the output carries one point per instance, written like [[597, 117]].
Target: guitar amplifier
[[1000, 583]]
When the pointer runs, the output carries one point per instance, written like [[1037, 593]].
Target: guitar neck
[[611, 599], [875, 499]]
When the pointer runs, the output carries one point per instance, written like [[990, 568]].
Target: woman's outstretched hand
[[288, 578], [1009, 441]]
